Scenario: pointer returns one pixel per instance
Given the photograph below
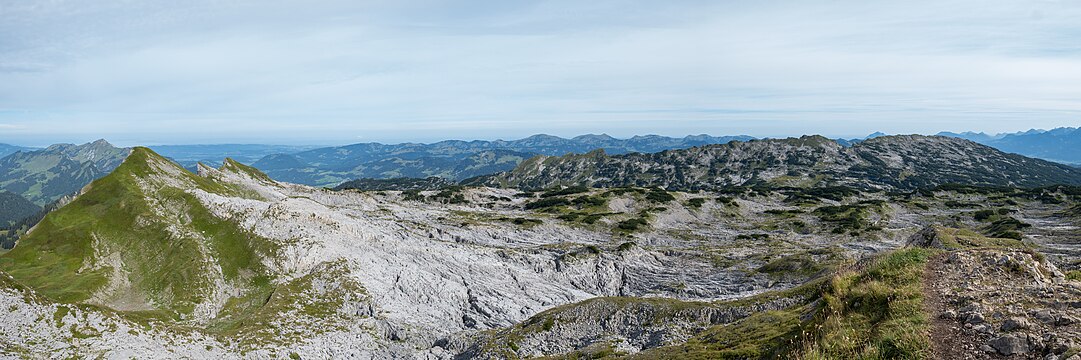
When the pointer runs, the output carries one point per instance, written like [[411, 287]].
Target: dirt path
[[948, 338]]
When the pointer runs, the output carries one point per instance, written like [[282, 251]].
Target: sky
[[337, 72]]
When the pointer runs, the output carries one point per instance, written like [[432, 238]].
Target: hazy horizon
[[429, 141], [340, 72]]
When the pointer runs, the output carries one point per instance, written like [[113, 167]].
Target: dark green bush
[[1007, 227], [695, 203], [983, 215], [659, 195], [546, 203], [589, 201], [564, 191], [632, 224]]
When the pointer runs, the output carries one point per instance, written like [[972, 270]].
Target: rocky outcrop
[[928, 237], [1001, 302], [888, 162]]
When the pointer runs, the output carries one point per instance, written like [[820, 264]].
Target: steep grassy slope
[[139, 240]]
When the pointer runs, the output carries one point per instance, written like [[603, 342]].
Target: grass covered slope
[[138, 240]]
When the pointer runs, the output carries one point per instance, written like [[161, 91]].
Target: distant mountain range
[[6, 149], [189, 156], [43, 176], [1060, 144], [453, 159], [458, 160], [850, 142], [888, 162]]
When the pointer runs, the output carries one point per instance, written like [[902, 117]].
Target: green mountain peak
[[139, 239]]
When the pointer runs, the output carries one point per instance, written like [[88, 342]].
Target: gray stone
[[1035, 343], [927, 238], [1059, 345], [1044, 316], [974, 318], [1016, 323], [971, 308], [1010, 345]]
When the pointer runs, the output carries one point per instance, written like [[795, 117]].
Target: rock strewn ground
[[1002, 304]]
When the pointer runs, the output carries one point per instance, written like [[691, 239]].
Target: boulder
[[926, 238], [1044, 316], [973, 318], [1016, 323], [1011, 344]]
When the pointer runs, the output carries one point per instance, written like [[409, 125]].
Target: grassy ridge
[[166, 252], [873, 314]]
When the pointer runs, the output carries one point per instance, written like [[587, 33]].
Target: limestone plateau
[[895, 247]]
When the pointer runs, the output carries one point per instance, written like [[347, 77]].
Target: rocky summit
[[154, 261]]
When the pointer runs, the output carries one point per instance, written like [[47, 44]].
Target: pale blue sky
[[153, 72]]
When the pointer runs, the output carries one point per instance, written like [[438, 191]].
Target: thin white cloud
[[422, 70]]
